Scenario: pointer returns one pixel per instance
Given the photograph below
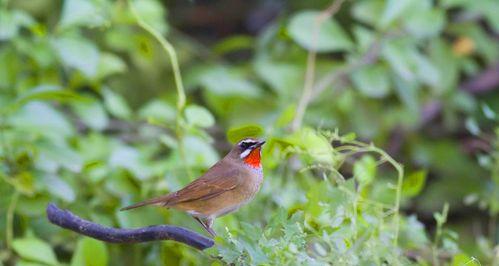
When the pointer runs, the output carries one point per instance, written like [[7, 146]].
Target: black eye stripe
[[246, 144]]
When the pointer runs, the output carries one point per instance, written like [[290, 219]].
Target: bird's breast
[[253, 180], [250, 185]]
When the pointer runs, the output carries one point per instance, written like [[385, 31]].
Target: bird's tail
[[154, 201]]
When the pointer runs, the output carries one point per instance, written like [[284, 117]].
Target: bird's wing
[[212, 184]]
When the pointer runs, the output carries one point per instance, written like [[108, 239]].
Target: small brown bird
[[226, 186]]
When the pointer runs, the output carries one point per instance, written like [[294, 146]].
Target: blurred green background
[[92, 119]]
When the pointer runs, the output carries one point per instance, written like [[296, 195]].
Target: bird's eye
[[245, 144]]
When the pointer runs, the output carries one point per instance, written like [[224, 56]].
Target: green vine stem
[[181, 98], [171, 53], [441, 219], [9, 230], [352, 147]]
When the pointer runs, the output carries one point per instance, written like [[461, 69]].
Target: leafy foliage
[[94, 116]]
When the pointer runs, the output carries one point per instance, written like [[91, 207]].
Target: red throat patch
[[253, 159]]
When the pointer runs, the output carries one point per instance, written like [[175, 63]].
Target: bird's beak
[[259, 144]]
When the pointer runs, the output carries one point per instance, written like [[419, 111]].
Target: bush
[[99, 110]]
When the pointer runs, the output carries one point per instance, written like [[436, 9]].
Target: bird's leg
[[208, 229], [206, 226], [209, 224], [200, 222]]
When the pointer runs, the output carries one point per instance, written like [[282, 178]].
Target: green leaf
[[199, 116], [78, 53], [472, 126], [488, 112], [364, 37], [58, 187], [23, 182], [116, 104], [395, 9], [82, 12], [130, 159], [49, 92], [408, 94], [33, 206], [372, 81], [235, 134], [90, 252], [445, 61], [283, 78], [413, 233], [11, 21], [222, 82], [329, 36], [364, 170], [92, 113], [234, 43], [41, 118], [201, 153], [153, 13], [487, 8], [490, 11], [425, 69], [110, 64], [31, 248], [398, 54], [56, 154], [317, 146], [426, 23], [414, 183], [286, 116], [348, 137], [461, 259], [368, 12], [158, 110]]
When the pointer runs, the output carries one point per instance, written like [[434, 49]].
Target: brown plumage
[[226, 186]]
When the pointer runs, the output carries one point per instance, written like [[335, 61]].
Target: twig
[[68, 220], [310, 72]]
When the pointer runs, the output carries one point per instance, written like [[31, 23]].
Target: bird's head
[[249, 150]]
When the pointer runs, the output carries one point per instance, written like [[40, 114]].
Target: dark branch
[[68, 220]]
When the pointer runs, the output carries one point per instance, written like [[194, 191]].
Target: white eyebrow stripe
[[245, 153], [247, 141]]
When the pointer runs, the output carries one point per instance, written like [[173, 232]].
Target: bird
[[226, 186]]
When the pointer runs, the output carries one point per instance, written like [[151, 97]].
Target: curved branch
[[68, 220]]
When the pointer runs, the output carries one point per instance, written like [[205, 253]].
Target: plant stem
[[310, 72], [438, 232], [9, 230], [181, 98], [171, 53], [400, 179], [356, 147]]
